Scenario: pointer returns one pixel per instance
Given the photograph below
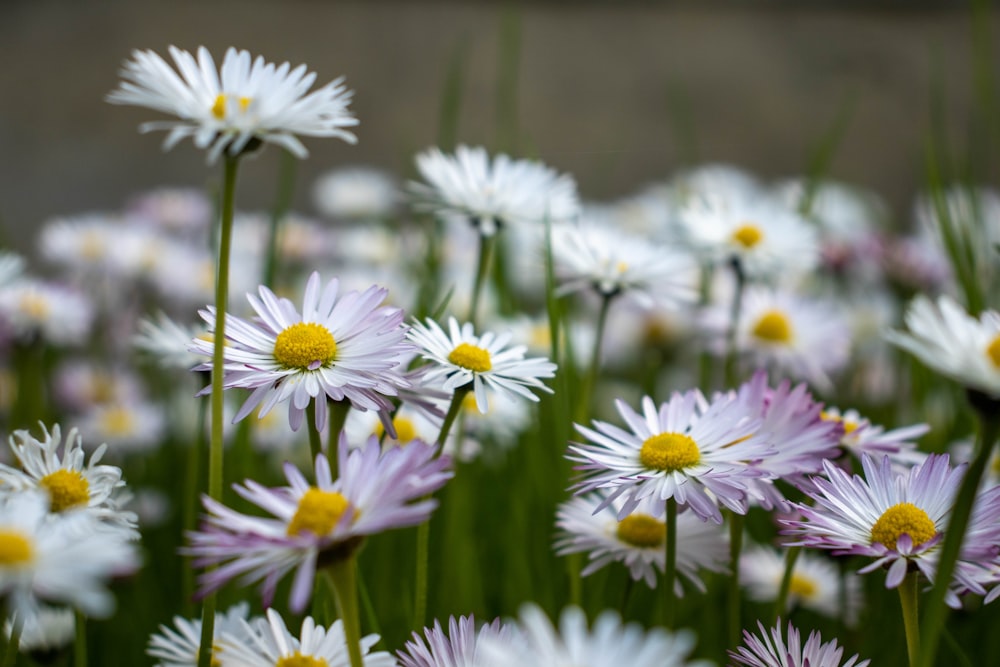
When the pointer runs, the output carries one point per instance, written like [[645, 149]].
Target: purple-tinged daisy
[[461, 358], [376, 491], [534, 642], [898, 519], [457, 648], [343, 346], [637, 540], [698, 453], [775, 651], [860, 436]]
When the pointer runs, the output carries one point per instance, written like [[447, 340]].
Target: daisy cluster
[[476, 394]]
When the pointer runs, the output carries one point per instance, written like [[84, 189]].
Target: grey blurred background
[[618, 94]]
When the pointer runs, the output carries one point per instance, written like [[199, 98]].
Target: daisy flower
[[461, 358], [70, 481], [247, 99], [534, 642], [860, 436], [953, 343], [268, 643], [355, 193], [376, 491], [458, 648], [167, 342], [688, 449], [178, 210], [489, 193], [62, 559], [46, 631], [816, 582], [11, 267], [32, 309], [774, 651], [898, 519], [637, 540], [343, 346], [178, 646], [135, 425], [609, 261]]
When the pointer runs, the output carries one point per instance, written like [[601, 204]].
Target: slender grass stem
[[10, 655], [192, 475], [791, 557], [911, 622], [670, 566], [80, 640], [735, 312], [590, 382], [282, 201], [454, 409], [343, 576], [486, 244]]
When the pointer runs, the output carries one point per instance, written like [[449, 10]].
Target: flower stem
[[315, 441], [282, 201], [453, 411], [10, 655], [911, 623], [670, 565], [734, 323], [337, 418], [343, 576], [736, 522], [421, 574], [80, 642], [482, 268], [590, 382], [215, 446], [791, 557], [936, 611], [192, 474]]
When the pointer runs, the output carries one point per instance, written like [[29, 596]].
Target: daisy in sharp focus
[[344, 346], [774, 651], [458, 647], [638, 540], [376, 491], [952, 342], [247, 99], [490, 193], [534, 642], [268, 643], [178, 646], [688, 449], [460, 358], [898, 519]]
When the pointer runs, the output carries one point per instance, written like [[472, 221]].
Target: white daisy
[[344, 346], [461, 358], [11, 267], [167, 342], [952, 342], [179, 210], [489, 193], [534, 642], [83, 243], [774, 651], [458, 648], [268, 643], [127, 426], [860, 436], [229, 109], [79, 383], [70, 481], [47, 630], [62, 559], [355, 193], [179, 646], [637, 540], [32, 309]]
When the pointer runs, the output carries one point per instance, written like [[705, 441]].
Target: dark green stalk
[[282, 202], [670, 565], [736, 523], [10, 655], [192, 483], [791, 557], [482, 269], [911, 623], [28, 360], [80, 641], [454, 409], [342, 574], [734, 322], [583, 408]]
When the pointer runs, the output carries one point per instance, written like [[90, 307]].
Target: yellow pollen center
[[621, 267], [850, 426], [117, 421], [219, 107], [405, 430], [642, 530], [318, 512], [299, 660], [669, 452], [803, 587], [773, 327], [15, 548], [305, 345], [67, 488], [748, 235], [903, 518], [993, 351], [34, 306], [245, 103], [472, 358]]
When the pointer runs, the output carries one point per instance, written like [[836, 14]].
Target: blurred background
[[619, 94]]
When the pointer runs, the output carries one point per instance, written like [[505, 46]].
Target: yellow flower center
[[219, 107], [299, 660], [405, 430], [748, 235], [642, 530], [472, 358], [993, 351], [850, 426], [305, 345], [669, 452], [903, 518], [318, 512], [34, 306], [802, 586], [15, 548], [67, 488], [117, 420], [773, 327]]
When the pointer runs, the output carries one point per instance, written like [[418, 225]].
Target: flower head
[[178, 646], [247, 99], [376, 491], [458, 648], [344, 346], [774, 651]]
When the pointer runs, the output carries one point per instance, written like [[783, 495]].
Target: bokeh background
[[620, 94]]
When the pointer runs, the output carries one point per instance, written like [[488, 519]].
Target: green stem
[[590, 383], [453, 411], [343, 577], [791, 557], [337, 416], [911, 623], [315, 441], [215, 447], [482, 268], [735, 312], [282, 201], [10, 655], [80, 642], [670, 565], [736, 522], [936, 610], [421, 574], [192, 474], [29, 400]]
